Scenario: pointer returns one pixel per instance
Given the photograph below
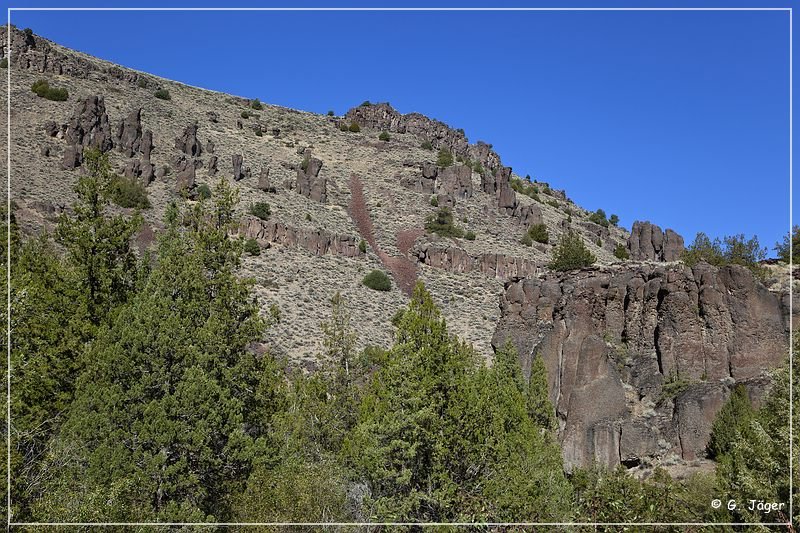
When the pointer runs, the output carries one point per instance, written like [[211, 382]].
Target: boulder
[[88, 126], [188, 142], [263, 179], [73, 157], [309, 183], [129, 133], [456, 181], [648, 243], [238, 174]]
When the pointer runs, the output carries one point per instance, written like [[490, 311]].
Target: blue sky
[[678, 117]]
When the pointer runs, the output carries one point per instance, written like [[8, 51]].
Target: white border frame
[[9, 522]]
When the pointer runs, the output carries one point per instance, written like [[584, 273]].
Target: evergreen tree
[[171, 407], [540, 408]]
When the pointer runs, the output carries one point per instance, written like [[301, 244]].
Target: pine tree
[[540, 408]]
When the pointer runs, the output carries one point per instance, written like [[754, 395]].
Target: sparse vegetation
[[354, 128], [435, 201], [256, 104], [785, 248], [245, 114], [477, 167], [469, 235], [621, 252], [445, 158], [441, 223], [426, 145], [141, 83], [260, 210], [343, 127], [599, 218], [251, 247], [42, 89], [377, 280], [162, 94], [613, 220], [526, 188], [330, 113], [731, 250], [362, 246], [4, 62], [571, 253], [128, 192], [384, 136], [308, 217]]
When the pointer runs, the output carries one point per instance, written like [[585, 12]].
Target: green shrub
[[330, 113], [599, 218], [553, 203], [141, 83], [784, 248], [245, 114], [128, 192], [260, 210], [470, 235], [435, 201], [613, 220], [426, 145], [257, 105], [251, 247], [526, 240], [525, 187], [259, 133], [445, 158], [441, 223], [203, 191], [621, 252], [343, 127], [477, 167], [538, 233], [384, 136], [571, 253], [362, 246], [4, 62], [731, 250], [162, 94], [308, 217], [355, 128], [366, 103], [377, 280], [43, 90]]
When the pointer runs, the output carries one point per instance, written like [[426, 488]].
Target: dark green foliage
[[599, 218], [354, 128], [571, 253], [426, 145], [4, 62], [330, 113], [732, 250], [735, 415], [260, 210], [384, 136], [141, 83], [128, 192], [477, 167], [43, 90], [377, 280], [526, 240], [784, 248], [540, 409], [362, 246], [343, 127], [435, 201], [257, 105], [251, 247], [621, 252], [308, 217], [259, 133], [469, 235], [441, 223], [613, 220], [245, 114], [538, 233], [162, 94], [445, 158]]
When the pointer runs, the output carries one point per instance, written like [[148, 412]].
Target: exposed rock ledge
[[316, 241], [612, 338], [454, 259]]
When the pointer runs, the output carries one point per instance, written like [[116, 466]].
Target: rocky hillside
[[641, 353]]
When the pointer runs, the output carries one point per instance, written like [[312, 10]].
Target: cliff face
[[640, 359]]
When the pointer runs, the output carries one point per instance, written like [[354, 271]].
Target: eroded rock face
[[456, 181], [316, 241], [529, 215], [384, 117], [309, 183], [129, 134], [88, 126], [188, 142], [612, 338], [238, 173], [455, 259], [648, 243]]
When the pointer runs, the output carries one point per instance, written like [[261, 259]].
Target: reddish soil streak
[[402, 269]]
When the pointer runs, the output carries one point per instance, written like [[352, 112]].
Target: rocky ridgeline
[[31, 52], [386, 118], [457, 260], [641, 357], [316, 241]]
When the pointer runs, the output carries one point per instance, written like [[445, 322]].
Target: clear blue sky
[[681, 118]]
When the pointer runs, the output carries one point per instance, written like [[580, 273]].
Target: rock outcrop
[[316, 241], [188, 142], [88, 126], [129, 134], [238, 172], [641, 358], [384, 117], [648, 243], [309, 183], [455, 259], [456, 181]]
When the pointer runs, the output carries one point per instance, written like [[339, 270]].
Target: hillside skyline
[[717, 117]]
